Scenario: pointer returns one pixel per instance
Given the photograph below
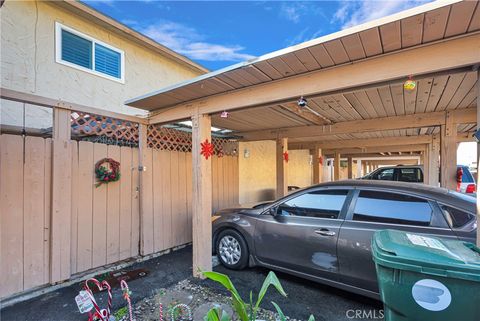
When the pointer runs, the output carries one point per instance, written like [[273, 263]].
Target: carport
[[357, 106]]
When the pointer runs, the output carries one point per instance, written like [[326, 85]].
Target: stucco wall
[[28, 60], [257, 172], [299, 168]]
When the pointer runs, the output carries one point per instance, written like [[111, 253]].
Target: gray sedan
[[323, 232]]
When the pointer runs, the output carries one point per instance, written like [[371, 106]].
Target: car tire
[[232, 250]]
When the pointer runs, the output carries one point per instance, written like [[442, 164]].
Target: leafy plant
[[121, 313], [283, 317], [246, 312], [217, 314]]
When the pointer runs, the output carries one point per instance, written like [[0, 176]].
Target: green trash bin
[[425, 278]]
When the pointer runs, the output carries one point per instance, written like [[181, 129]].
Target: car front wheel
[[232, 250]]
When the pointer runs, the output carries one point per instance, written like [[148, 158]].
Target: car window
[[385, 207], [384, 175], [319, 204], [456, 218], [467, 176], [412, 175]]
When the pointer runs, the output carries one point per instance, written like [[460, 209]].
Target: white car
[[414, 174]]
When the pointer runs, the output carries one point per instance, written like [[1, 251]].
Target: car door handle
[[325, 232]]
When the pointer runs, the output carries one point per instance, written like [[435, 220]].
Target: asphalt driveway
[[304, 297]]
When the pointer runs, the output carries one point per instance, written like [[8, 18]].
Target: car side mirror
[[272, 211]]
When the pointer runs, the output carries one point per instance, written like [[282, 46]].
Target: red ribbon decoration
[[207, 149], [285, 156]]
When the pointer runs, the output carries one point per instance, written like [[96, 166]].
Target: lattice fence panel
[[102, 129], [165, 138]]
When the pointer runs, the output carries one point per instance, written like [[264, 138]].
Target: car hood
[[243, 210]]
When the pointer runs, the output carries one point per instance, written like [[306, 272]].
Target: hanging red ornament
[[207, 149], [285, 156], [320, 160]]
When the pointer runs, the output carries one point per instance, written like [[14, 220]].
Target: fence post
[[142, 147], [60, 224]]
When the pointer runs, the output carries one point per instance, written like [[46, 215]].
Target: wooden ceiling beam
[[460, 116], [376, 150], [364, 143]]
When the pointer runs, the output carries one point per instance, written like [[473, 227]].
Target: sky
[[217, 34]]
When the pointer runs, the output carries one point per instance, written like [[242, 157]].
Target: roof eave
[[336, 35]]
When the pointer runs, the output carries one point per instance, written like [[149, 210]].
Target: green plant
[[121, 313], [282, 316], [246, 312], [216, 314]]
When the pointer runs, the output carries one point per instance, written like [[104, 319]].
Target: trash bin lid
[[426, 254]]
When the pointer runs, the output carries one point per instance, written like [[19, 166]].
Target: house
[[67, 51]]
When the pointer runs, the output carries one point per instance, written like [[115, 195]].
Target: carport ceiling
[[446, 91]]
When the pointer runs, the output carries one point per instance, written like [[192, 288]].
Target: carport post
[[448, 152], [336, 167], [201, 195], [317, 161], [434, 158], [282, 167], [426, 163], [350, 167], [478, 156]]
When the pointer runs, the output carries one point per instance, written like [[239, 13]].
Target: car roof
[[437, 193], [402, 166]]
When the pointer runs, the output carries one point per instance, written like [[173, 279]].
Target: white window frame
[[58, 53]]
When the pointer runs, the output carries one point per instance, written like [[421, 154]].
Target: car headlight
[[215, 217]]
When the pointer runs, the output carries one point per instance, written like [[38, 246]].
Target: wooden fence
[[25, 181], [105, 220]]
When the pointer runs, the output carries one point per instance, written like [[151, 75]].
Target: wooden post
[[282, 167], [426, 163], [350, 167], [364, 168], [359, 168], [336, 167], [434, 157], [60, 224], [201, 196], [448, 152], [142, 176], [478, 155], [317, 163]]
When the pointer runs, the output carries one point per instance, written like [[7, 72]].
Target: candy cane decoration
[[126, 296], [103, 315], [160, 311], [181, 306]]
